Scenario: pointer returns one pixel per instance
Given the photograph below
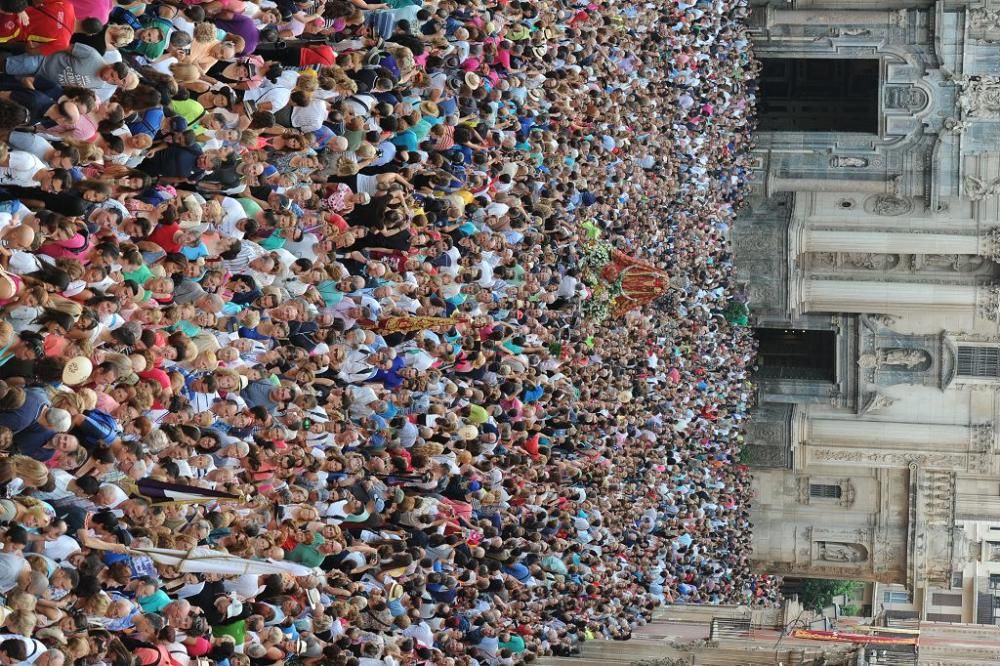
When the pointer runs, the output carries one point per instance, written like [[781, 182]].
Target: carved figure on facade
[[870, 260], [978, 189], [955, 126], [906, 98], [958, 263], [900, 459], [988, 302], [876, 403], [836, 551], [984, 24], [825, 258], [878, 319], [979, 96], [868, 361], [888, 205], [909, 359], [848, 162], [989, 245], [846, 32]]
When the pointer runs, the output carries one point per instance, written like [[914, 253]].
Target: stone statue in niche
[[910, 359], [835, 551], [848, 162]]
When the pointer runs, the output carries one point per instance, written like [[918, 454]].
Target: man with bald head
[[17, 237]]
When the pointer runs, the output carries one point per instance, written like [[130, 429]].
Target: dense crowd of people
[[297, 364]]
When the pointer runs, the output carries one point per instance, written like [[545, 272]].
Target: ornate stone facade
[[886, 469]]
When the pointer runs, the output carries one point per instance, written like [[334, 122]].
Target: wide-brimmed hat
[[428, 108], [77, 371], [472, 80]]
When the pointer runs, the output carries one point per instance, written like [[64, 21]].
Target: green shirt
[[308, 554], [140, 276], [238, 630], [250, 207], [190, 110]]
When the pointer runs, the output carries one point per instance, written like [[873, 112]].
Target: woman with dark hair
[[13, 115]]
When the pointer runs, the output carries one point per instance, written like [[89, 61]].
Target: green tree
[[816, 593]]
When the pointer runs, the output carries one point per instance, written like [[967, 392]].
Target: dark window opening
[[796, 354], [818, 95], [824, 490], [978, 361]]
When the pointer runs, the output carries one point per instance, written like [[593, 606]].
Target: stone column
[[775, 184], [889, 434], [890, 297], [889, 243]]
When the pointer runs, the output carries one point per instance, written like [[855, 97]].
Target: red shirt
[[50, 26], [163, 236]]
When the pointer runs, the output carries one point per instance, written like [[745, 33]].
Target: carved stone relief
[[984, 24], [872, 261], [979, 96], [978, 189], [877, 402], [958, 263], [988, 303], [888, 205], [848, 162], [906, 98], [836, 551], [890, 459], [982, 437]]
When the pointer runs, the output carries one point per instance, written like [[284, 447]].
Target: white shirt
[[21, 169], [309, 118], [60, 548], [34, 647]]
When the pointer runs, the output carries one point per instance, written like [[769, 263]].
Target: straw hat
[[77, 371], [428, 108], [472, 80], [88, 397]]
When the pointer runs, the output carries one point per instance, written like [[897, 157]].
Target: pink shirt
[[98, 9]]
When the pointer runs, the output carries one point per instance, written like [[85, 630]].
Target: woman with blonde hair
[[207, 49], [21, 622], [26, 511], [28, 471]]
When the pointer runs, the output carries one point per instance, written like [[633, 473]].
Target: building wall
[[889, 240]]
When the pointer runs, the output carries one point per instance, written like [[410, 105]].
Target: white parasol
[[205, 560]]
